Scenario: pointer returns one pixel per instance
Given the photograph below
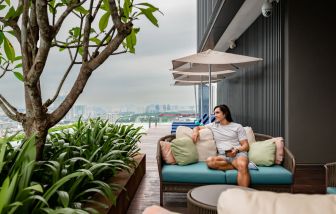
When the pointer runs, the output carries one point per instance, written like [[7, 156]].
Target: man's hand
[[194, 136], [231, 153]]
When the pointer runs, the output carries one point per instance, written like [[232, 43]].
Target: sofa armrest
[[330, 170], [159, 159], [289, 161]]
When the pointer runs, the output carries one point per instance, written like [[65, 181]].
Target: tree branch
[[123, 31], [13, 24], [97, 9], [45, 42], [70, 99], [10, 110], [24, 38], [5, 70], [87, 68], [114, 13], [121, 52], [50, 101], [86, 34], [110, 32], [61, 19], [34, 30]]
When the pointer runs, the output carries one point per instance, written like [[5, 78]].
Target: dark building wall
[[310, 66], [255, 95], [205, 11]]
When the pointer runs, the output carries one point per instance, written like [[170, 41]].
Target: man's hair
[[226, 112]]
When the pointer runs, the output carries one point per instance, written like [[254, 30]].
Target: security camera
[[232, 44], [266, 8]]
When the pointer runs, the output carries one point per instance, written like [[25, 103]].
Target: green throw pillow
[[184, 151], [262, 153]]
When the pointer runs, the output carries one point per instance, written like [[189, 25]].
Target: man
[[231, 142]]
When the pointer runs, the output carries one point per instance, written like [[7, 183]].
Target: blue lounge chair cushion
[[331, 190], [177, 124], [264, 175], [193, 173]]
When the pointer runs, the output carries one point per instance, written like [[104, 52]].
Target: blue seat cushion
[[331, 190], [193, 173], [265, 175]]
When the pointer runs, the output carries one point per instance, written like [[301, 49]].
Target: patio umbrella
[[183, 80], [200, 78], [211, 61]]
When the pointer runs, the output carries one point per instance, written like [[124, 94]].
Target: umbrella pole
[[201, 100], [195, 102], [210, 107]]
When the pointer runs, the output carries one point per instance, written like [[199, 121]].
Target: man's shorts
[[230, 159]]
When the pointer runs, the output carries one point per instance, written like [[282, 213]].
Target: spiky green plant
[[96, 147]]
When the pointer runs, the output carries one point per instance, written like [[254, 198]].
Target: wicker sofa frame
[[330, 174], [288, 163]]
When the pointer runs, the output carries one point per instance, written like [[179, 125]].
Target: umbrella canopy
[[211, 61], [199, 78], [220, 61], [186, 83], [187, 80]]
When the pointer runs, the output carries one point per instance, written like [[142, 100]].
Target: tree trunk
[[39, 128]]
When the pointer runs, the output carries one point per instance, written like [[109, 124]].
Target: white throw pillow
[[183, 131], [250, 134], [205, 145], [263, 202]]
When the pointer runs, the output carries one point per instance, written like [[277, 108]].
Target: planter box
[[130, 181]]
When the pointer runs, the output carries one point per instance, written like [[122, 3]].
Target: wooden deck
[[308, 179]]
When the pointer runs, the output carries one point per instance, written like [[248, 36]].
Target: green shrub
[[76, 163]]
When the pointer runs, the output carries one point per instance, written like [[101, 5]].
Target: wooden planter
[[130, 182]]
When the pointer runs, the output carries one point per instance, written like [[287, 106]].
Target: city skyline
[[141, 79]]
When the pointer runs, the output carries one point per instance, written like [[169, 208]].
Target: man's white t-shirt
[[227, 136]]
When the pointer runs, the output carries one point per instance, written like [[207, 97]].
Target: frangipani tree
[[103, 28]]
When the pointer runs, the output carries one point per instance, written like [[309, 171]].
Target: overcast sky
[[129, 79]]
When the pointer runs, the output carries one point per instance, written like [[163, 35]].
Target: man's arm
[[195, 133], [244, 147]]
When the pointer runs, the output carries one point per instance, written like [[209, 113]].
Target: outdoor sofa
[[176, 178]]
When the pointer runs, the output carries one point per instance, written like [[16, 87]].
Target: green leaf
[[147, 5], [10, 13], [2, 6], [18, 11], [2, 36], [9, 50], [57, 185], [104, 21], [36, 187], [131, 41], [63, 197], [51, 7], [105, 5], [80, 51], [8, 2], [82, 10], [127, 9], [19, 76], [18, 65], [17, 58], [2, 155], [149, 14], [95, 40]]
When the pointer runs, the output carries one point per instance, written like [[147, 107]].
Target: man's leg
[[219, 163], [241, 164]]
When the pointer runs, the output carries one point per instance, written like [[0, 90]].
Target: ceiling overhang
[[232, 20]]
